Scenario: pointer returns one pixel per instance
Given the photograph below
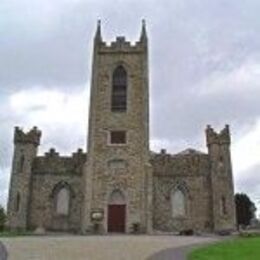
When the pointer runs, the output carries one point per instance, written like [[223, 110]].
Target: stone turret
[[223, 208], [25, 151]]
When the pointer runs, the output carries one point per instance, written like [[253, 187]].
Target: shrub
[[187, 232], [136, 228], [2, 218]]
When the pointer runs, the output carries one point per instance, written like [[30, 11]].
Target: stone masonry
[[121, 186]]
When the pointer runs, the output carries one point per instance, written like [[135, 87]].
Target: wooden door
[[116, 218]]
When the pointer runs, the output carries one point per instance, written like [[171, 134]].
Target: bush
[[187, 232], [248, 234], [224, 232], [136, 228], [2, 219]]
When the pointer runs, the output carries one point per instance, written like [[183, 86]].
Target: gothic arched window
[[178, 202], [62, 201], [119, 90], [117, 197]]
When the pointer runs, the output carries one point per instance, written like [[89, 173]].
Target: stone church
[[120, 185]]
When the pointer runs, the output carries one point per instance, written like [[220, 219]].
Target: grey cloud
[[49, 44]]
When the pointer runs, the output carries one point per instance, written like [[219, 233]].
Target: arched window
[[119, 90], [117, 198], [178, 202], [17, 202], [62, 201]]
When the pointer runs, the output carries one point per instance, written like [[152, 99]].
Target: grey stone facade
[[153, 191]]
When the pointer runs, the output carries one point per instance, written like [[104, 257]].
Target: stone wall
[[189, 171], [50, 173]]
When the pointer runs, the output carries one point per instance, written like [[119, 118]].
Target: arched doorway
[[116, 216]]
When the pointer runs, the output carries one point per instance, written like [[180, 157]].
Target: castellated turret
[[223, 208], [25, 151], [214, 138], [32, 137]]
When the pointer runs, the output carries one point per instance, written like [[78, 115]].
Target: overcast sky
[[204, 69]]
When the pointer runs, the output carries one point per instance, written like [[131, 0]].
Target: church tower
[[222, 185], [118, 176]]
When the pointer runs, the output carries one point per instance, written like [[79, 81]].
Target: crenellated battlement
[[223, 137], [33, 136], [189, 162], [53, 154], [79, 155], [54, 163], [120, 44]]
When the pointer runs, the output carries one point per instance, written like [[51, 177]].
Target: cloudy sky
[[204, 69]]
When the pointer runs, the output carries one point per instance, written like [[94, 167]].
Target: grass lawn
[[236, 249], [14, 233]]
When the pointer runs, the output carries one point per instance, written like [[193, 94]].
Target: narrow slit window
[[17, 202], [223, 205], [21, 163]]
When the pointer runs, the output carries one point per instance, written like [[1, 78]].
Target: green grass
[[14, 233], [236, 249]]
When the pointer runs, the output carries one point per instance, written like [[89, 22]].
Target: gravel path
[[116, 247], [175, 253], [171, 254]]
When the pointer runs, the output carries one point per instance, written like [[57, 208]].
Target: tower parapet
[[52, 153], [31, 137], [120, 44], [223, 137]]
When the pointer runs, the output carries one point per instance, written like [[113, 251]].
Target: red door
[[116, 218]]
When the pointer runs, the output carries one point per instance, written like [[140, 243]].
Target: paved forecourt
[[114, 247]]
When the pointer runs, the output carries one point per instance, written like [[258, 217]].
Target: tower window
[[118, 137], [119, 90], [21, 164], [223, 205], [17, 202]]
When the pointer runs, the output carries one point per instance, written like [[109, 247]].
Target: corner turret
[[25, 151], [223, 207]]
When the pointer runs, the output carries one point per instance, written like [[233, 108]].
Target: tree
[[2, 218], [245, 209]]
